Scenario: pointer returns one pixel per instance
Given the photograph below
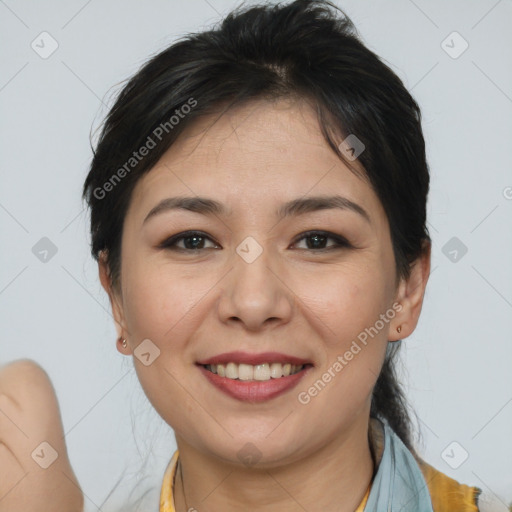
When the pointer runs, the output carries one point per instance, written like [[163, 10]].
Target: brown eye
[[192, 241], [316, 241]]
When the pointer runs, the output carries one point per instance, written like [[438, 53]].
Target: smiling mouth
[[258, 372]]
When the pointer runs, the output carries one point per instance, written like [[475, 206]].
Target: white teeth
[[231, 371], [276, 370], [245, 372], [261, 372]]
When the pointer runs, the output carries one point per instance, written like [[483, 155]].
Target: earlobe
[[122, 346], [410, 295]]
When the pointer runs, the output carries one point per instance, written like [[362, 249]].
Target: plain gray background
[[457, 364]]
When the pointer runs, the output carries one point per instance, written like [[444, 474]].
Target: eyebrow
[[299, 206]]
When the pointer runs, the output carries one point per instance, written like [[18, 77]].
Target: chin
[[257, 450]]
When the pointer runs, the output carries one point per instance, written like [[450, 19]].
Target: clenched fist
[[35, 472]]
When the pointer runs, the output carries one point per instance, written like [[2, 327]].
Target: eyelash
[[170, 243]]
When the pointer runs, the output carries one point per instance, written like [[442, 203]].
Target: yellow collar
[[167, 497]]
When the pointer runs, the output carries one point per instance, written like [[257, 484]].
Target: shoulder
[[448, 495]]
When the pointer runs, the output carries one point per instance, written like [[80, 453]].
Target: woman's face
[[253, 287]]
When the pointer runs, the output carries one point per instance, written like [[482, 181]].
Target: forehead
[[260, 152]]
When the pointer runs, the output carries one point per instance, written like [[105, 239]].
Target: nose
[[254, 295]]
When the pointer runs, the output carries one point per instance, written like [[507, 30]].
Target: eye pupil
[[193, 237], [316, 240]]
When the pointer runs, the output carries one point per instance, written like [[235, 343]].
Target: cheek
[[158, 302], [159, 306], [351, 358], [349, 308], [347, 300]]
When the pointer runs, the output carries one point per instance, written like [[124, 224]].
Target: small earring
[[124, 344], [399, 328]]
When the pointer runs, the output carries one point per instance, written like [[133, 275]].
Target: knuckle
[[7, 403], [23, 381], [22, 370]]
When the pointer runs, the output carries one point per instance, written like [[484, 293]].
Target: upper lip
[[240, 357]]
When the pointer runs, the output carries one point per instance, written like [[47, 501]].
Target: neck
[[334, 477]]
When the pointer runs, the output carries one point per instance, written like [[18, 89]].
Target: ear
[[410, 295], [116, 302]]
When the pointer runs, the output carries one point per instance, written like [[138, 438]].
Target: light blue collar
[[398, 485]]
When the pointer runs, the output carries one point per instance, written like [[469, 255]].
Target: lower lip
[[254, 390]]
